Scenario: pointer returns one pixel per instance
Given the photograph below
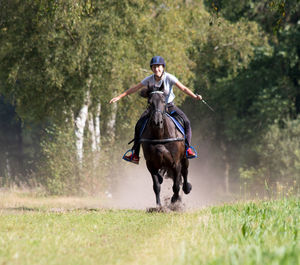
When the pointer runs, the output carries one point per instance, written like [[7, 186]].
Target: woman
[[157, 65]]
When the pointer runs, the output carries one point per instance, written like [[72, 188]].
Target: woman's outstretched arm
[[127, 92]]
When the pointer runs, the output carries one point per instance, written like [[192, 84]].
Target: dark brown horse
[[164, 148]]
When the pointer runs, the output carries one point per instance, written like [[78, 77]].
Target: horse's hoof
[[175, 199], [187, 188]]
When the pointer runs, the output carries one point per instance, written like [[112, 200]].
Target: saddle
[[175, 117], [179, 121]]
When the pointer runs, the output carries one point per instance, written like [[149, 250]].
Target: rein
[[160, 141]]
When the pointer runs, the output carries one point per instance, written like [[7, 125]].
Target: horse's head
[[157, 105]]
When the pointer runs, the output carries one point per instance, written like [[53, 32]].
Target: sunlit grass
[[265, 232]]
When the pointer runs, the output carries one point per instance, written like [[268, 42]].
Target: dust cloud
[[133, 187]]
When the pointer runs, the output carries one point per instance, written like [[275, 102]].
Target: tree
[[221, 51], [261, 87], [11, 143], [62, 61]]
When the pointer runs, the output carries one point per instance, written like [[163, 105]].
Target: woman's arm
[[187, 91], [127, 92]]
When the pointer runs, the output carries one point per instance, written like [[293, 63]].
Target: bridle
[[160, 141], [156, 109]]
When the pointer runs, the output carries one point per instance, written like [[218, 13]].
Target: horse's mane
[[146, 92]]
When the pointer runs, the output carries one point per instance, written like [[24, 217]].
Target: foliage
[[242, 56], [58, 170], [279, 159], [252, 85], [271, 14]]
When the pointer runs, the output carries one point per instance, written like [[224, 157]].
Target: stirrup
[[195, 156], [124, 156]]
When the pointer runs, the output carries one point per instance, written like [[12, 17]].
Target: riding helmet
[[157, 60]]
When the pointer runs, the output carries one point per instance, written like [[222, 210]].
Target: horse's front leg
[[176, 184], [156, 183], [186, 187], [156, 188]]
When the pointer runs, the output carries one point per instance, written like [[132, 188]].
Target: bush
[[58, 170], [279, 159]]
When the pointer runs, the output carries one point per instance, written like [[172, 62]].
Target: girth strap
[[160, 141]]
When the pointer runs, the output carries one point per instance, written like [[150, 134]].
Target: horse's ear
[[144, 92]]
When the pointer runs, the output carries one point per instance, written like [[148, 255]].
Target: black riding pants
[[170, 108]]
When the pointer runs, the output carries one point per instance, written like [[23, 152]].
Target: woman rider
[[157, 65]]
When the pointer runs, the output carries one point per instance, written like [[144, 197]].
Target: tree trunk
[[111, 124], [92, 132], [97, 126], [80, 123], [94, 129], [227, 167], [7, 167]]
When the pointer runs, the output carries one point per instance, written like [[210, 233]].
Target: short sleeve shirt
[[168, 79]]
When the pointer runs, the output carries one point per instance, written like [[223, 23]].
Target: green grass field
[[263, 232]]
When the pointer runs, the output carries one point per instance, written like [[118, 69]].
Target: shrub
[[279, 159], [58, 170]]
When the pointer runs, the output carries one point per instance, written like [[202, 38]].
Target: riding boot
[[137, 133], [136, 147], [134, 156]]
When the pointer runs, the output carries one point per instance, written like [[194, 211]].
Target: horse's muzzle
[[158, 119]]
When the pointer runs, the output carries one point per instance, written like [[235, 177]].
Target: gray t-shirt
[[168, 79]]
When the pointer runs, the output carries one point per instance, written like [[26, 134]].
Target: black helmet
[[157, 60]]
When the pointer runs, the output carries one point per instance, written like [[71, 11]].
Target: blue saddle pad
[[177, 124]]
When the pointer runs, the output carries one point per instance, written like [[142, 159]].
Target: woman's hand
[[127, 92], [115, 99], [198, 97]]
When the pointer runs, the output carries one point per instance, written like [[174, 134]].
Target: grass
[[263, 232]]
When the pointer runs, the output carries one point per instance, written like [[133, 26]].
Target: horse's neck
[[158, 134], [169, 128]]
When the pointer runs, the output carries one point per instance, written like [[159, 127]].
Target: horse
[[164, 148]]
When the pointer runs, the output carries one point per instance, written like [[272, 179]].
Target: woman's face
[[157, 69]]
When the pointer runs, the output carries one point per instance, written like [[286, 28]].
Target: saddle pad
[[177, 124]]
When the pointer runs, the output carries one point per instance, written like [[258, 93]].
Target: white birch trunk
[[94, 129], [80, 123], [97, 126], [111, 124], [8, 168], [92, 132]]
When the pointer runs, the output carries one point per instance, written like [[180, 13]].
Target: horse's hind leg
[[161, 173], [156, 183], [186, 187]]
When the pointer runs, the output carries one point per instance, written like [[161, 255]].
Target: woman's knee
[[184, 117]]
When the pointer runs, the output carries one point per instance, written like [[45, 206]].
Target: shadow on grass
[[23, 209]]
